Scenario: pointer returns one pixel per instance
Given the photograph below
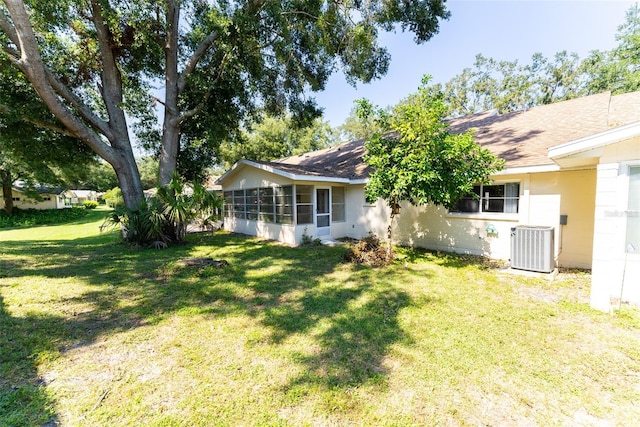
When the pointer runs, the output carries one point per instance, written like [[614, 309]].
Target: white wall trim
[[594, 141]]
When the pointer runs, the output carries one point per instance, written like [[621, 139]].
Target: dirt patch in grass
[[569, 285]]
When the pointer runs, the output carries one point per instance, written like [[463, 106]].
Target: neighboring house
[[82, 196], [52, 197], [572, 167]]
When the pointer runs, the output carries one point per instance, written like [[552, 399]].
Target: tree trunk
[[76, 116], [395, 210], [171, 125], [7, 194], [129, 181]]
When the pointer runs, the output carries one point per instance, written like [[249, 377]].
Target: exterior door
[[323, 212]]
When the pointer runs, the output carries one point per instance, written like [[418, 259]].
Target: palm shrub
[[163, 219], [141, 227]]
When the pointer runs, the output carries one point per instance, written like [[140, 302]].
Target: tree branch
[[86, 113], [57, 129], [8, 28], [204, 47], [110, 76], [30, 63], [191, 64], [195, 110]]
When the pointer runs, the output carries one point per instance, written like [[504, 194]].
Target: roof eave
[[274, 170], [528, 169], [593, 142]]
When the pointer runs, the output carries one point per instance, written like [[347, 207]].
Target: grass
[[92, 333]]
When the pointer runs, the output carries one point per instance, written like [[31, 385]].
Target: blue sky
[[504, 30]]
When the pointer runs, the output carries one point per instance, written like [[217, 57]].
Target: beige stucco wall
[[363, 217], [612, 265], [543, 198], [25, 203], [570, 193], [250, 177], [291, 234]]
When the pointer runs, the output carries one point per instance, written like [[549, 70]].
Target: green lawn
[[93, 334]]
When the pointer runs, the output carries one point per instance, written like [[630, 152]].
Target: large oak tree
[[94, 63]]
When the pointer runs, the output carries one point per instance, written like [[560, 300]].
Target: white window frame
[[481, 213], [628, 213]]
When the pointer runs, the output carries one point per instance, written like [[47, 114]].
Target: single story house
[[51, 197], [571, 186], [82, 196]]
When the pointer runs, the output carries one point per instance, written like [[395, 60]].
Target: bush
[[369, 251], [113, 197], [163, 218], [33, 217], [90, 204]]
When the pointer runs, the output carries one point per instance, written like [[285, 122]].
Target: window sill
[[486, 216]]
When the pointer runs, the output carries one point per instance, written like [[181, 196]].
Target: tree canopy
[[420, 161], [274, 138], [94, 65], [511, 86], [32, 150]]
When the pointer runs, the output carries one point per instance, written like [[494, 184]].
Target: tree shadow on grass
[[23, 396], [448, 259], [353, 319]]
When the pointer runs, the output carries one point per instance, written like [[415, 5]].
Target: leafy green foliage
[[90, 204], [511, 86], [30, 149], [275, 138], [33, 217], [617, 70], [420, 162], [180, 207], [140, 227], [360, 126], [113, 198], [148, 167], [101, 177]]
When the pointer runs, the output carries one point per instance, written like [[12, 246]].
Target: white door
[[323, 212]]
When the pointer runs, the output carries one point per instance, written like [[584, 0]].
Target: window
[[268, 204], [239, 207], [284, 204], [15, 199], [337, 204], [252, 204], [497, 198], [265, 205], [633, 211], [48, 199], [304, 204], [228, 204]]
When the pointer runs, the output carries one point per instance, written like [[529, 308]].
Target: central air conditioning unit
[[532, 248]]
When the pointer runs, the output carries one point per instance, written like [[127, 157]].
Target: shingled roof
[[521, 138], [340, 161]]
